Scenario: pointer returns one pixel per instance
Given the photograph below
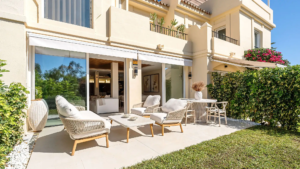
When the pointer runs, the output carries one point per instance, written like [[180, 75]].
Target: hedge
[[13, 100], [270, 95]]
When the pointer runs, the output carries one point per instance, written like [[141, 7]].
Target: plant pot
[[38, 114], [198, 95]]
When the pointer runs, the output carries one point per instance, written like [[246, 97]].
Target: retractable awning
[[79, 46], [164, 59], [243, 63]]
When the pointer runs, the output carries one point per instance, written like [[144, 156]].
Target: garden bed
[[256, 147]]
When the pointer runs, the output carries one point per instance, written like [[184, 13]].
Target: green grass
[[256, 147]]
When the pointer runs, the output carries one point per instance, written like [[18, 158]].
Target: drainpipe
[[269, 3]]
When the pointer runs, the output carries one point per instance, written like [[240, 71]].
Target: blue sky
[[286, 34]]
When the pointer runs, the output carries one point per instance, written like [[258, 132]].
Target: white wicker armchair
[[85, 127], [146, 108], [171, 118]]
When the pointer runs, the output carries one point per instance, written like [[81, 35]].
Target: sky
[[286, 34]]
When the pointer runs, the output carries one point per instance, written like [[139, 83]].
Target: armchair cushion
[[174, 105], [161, 118], [152, 100], [66, 109], [138, 111]]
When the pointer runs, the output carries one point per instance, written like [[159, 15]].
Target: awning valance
[[78, 46], [243, 63], [164, 59]]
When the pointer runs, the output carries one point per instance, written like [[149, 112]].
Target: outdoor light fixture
[[135, 71], [135, 67], [190, 75]]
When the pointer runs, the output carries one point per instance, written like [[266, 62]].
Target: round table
[[200, 108]]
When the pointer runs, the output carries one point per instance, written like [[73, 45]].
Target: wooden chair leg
[[162, 130], [181, 128], [107, 142], [74, 147], [111, 122], [194, 117]]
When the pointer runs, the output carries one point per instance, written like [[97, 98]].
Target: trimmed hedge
[[13, 101], [269, 95]]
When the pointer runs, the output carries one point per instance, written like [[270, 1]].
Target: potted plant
[[153, 17], [161, 22], [173, 23], [198, 87]]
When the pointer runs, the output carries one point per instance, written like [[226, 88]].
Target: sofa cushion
[[138, 111], [174, 105], [152, 100], [65, 108], [88, 115]]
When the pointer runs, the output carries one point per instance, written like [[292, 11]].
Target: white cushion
[[152, 100], [66, 109], [138, 111], [88, 115], [160, 118], [174, 105]]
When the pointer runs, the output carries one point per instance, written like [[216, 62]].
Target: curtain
[[76, 12]]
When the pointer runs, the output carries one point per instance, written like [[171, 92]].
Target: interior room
[[106, 85], [151, 79]]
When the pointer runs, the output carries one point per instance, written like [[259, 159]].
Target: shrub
[[265, 55], [13, 102], [267, 95]]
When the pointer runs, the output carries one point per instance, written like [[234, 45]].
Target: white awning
[[78, 46], [164, 59]]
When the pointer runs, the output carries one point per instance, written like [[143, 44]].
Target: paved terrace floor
[[54, 146]]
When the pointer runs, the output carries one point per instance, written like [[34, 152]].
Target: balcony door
[[59, 72]]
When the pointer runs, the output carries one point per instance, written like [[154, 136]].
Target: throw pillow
[[174, 105]]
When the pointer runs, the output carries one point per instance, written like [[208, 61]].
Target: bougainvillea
[[264, 55]]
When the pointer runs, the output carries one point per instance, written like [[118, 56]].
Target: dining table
[[200, 107]]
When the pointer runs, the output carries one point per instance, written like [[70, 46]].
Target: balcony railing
[[167, 31], [223, 37]]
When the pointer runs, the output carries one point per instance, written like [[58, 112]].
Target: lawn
[[256, 147]]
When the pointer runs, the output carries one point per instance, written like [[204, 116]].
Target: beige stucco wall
[[136, 32], [13, 50]]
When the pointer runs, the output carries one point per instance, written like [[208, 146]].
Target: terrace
[[53, 146]]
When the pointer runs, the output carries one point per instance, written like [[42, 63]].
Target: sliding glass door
[[59, 72], [174, 81]]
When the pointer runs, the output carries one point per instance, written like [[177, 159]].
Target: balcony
[[223, 37], [131, 29], [167, 31]]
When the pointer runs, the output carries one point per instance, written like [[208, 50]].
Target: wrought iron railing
[[168, 31], [223, 37]]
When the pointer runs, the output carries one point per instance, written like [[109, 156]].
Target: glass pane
[[174, 81], [60, 10], [60, 73], [222, 34]]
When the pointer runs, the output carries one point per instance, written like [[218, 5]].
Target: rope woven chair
[[141, 110], [168, 119], [89, 128]]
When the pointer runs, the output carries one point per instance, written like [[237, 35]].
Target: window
[[257, 36], [77, 12], [222, 34]]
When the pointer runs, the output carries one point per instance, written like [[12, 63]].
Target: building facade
[[110, 53]]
